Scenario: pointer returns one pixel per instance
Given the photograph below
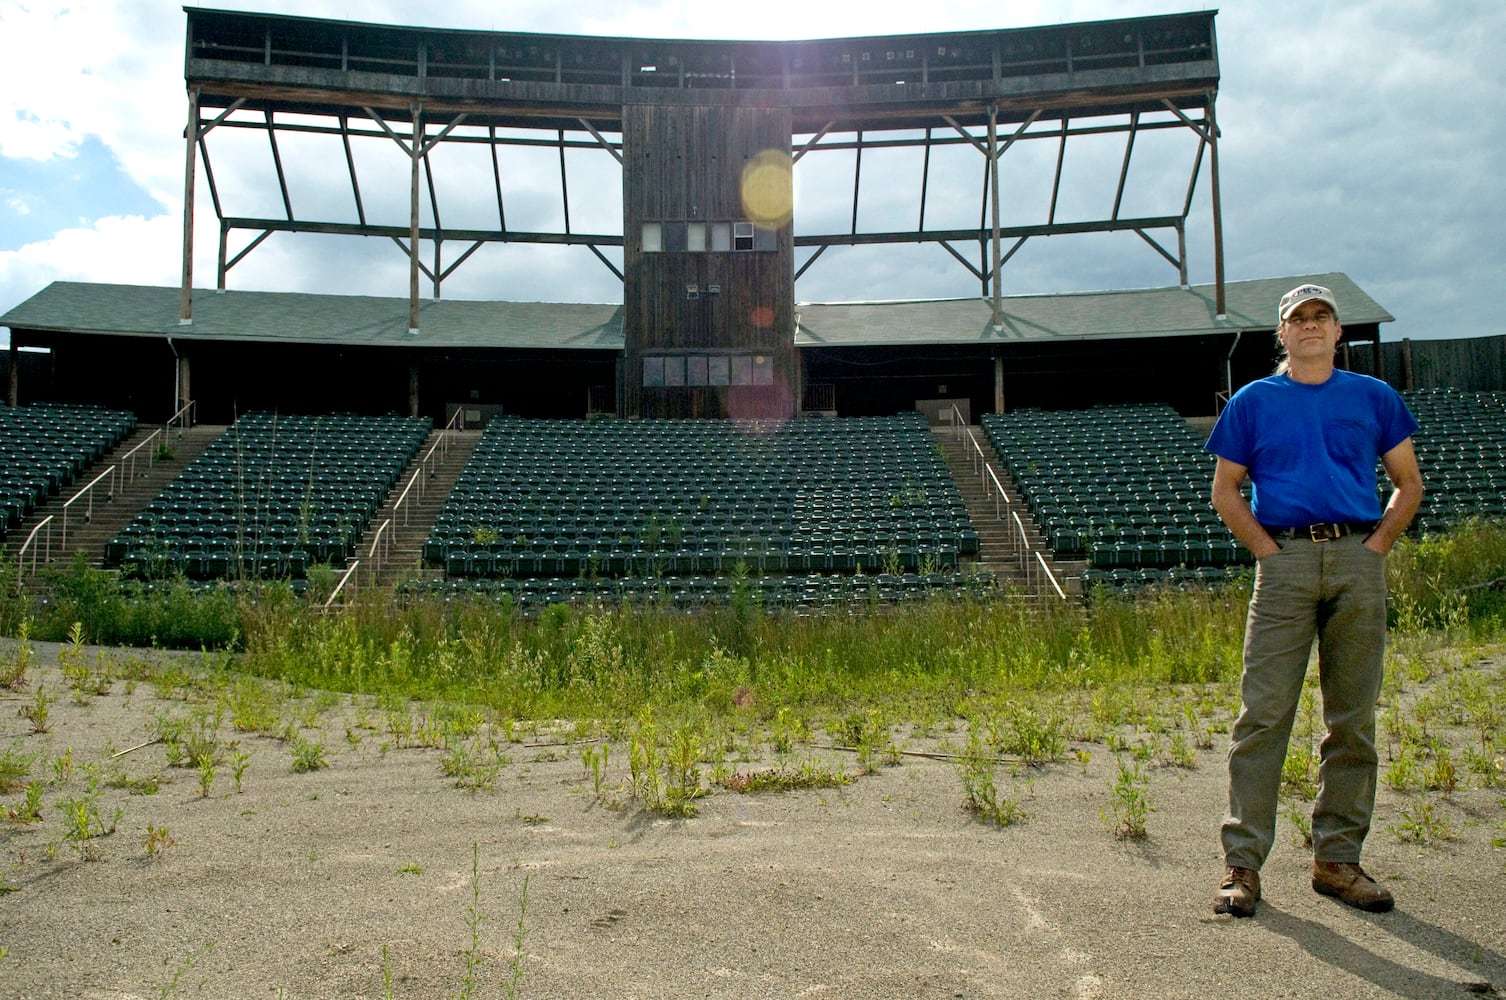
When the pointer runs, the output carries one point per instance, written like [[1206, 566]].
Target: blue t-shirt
[[1311, 449]]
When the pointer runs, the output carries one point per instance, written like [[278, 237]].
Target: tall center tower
[[708, 261]]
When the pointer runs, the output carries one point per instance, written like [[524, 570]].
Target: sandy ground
[[357, 880]]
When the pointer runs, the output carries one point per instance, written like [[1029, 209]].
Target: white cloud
[[1367, 142], [125, 250]]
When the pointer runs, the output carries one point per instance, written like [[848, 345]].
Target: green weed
[[1302, 822], [978, 768], [84, 822], [15, 767], [157, 840], [38, 711], [1129, 805], [786, 777], [665, 772], [594, 759], [13, 671], [240, 760], [474, 764], [30, 808], [1421, 823], [308, 756]]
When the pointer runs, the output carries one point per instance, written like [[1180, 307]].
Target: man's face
[[1311, 332]]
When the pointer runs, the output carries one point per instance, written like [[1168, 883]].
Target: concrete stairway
[[410, 518], [94, 518], [999, 550]]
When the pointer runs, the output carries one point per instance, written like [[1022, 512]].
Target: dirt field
[[357, 880]]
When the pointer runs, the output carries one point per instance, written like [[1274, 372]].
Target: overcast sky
[[1364, 137]]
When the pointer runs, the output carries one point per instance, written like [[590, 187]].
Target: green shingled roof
[[1146, 312], [368, 321], [354, 320]]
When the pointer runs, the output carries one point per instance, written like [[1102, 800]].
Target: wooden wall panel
[[684, 163]]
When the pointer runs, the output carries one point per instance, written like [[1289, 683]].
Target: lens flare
[[768, 189]]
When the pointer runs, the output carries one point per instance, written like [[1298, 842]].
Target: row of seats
[[1461, 449], [271, 496], [807, 592], [697, 497], [1124, 487], [46, 448]]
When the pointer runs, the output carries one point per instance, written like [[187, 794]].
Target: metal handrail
[[130, 456], [1000, 493], [1005, 511], [1050, 576], [188, 421], [381, 538], [88, 514], [417, 479], [45, 522], [350, 573]]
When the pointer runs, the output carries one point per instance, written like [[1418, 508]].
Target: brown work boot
[[1349, 884], [1238, 892]]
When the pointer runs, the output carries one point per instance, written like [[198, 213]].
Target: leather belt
[[1324, 531]]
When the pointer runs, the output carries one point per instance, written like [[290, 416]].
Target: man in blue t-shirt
[[1308, 438]]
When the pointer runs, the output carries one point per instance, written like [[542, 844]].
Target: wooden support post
[[416, 155], [190, 165], [185, 382], [1219, 306], [1408, 376], [993, 180]]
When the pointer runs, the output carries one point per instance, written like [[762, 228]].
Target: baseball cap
[[1305, 293]]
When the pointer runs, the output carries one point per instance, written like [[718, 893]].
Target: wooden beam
[[191, 145], [997, 268], [414, 156], [981, 234]]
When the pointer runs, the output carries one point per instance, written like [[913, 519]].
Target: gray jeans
[[1335, 592]]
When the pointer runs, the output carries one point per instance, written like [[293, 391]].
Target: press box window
[[653, 237], [763, 369], [653, 372]]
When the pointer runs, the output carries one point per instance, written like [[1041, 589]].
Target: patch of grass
[[1421, 823], [257, 706], [188, 738], [474, 764], [1302, 822], [786, 777], [979, 769], [87, 676], [308, 756], [665, 770], [15, 767]]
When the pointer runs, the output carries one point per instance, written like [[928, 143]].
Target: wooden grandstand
[[677, 443]]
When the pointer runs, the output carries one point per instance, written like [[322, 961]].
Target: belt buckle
[[1323, 532]]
